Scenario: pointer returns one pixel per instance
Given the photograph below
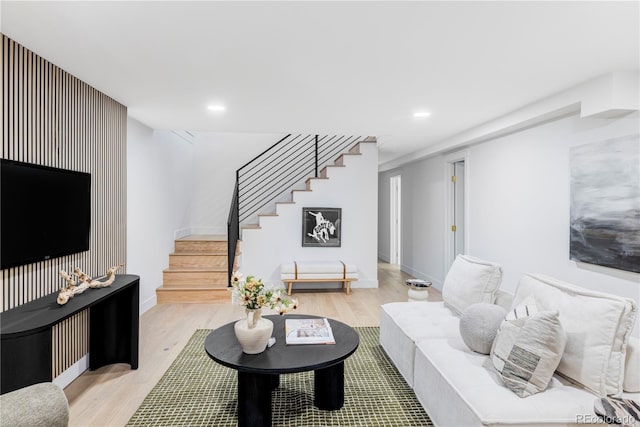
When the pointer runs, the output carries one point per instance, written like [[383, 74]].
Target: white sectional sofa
[[459, 387]]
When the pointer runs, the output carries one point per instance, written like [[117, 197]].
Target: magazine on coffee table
[[308, 331]]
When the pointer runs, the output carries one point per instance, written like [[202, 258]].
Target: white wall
[[519, 202], [216, 159], [159, 184], [518, 189], [354, 189]]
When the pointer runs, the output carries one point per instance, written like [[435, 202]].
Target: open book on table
[[308, 331]]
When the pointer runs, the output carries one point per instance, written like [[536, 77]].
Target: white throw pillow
[[597, 325], [469, 281], [528, 349]]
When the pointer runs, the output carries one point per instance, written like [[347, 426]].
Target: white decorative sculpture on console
[[72, 288]]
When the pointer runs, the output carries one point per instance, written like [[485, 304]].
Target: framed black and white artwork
[[321, 227], [605, 203]]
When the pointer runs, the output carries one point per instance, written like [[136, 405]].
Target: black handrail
[[277, 169], [233, 231], [261, 154]]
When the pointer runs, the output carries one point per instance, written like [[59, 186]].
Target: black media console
[[113, 331]]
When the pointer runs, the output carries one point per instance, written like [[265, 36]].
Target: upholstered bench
[[318, 271]]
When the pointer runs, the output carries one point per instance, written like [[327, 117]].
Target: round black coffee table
[[258, 374]]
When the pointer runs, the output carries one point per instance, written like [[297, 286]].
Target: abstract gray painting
[[605, 203]]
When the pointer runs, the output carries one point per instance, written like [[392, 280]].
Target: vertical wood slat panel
[[70, 342], [51, 118]]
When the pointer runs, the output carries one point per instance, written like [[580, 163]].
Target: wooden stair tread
[[203, 253], [195, 286], [203, 237], [192, 295], [195, 269], [202, 244]]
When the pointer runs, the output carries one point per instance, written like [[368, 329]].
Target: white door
[[458, 208], [395, 219]]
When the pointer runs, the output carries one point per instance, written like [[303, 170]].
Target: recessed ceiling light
[[421, 114], [216, 108]]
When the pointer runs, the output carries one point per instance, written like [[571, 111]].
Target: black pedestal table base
[[328, 387]]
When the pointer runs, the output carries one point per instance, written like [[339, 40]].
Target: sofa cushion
[[404, 323], [459, 387], [479, 324], [470, 280], [597, 327], [528, 349], [632, 367]]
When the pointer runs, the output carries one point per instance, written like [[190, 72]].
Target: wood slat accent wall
[[51, 118], [70, 341]]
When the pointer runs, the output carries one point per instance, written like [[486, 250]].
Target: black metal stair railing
[[233, 232], [260, 181]]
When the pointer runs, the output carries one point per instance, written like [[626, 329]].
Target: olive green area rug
[[196, 391]]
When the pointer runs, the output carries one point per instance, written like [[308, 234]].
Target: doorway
[[456, 207], [395, 219]]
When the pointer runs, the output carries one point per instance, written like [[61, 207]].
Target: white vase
[[253, 333]]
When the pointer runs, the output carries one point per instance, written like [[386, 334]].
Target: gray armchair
[[38, 405]]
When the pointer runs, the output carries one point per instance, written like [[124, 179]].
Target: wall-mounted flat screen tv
[[44, 212]]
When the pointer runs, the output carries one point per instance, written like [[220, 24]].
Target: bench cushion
[[309, 270]]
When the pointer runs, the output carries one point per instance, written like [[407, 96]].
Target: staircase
[[197, 271], [263, 183], [322, 175], [348, 182]]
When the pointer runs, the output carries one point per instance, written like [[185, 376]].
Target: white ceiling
[[329, 67]]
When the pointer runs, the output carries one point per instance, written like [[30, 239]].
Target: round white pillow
[[479, 324]]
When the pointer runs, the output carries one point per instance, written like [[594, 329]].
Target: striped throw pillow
[[528, 348]]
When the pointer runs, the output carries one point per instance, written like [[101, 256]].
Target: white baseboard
[[183, 232], [365, 284], [188, 231], [384, 257], [73, 372], [420, 275], [209, 230], [148, 303]]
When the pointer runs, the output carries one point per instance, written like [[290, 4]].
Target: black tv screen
[[44, 213]]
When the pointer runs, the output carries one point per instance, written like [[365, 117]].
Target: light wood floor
[[110, 395]]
